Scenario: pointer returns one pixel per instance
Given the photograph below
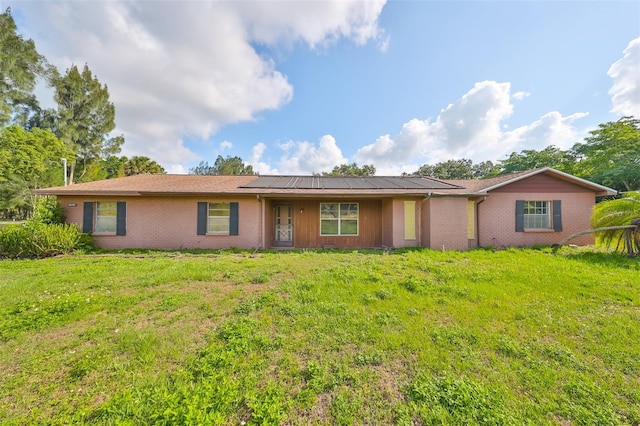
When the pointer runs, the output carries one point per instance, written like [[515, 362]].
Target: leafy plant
[[620, 212], [44, 234]]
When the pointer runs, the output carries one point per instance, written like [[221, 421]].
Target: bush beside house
[[44, 234]]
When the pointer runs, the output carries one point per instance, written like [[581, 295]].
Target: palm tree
[[618, 221]]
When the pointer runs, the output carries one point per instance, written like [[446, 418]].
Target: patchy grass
[[322, 337]]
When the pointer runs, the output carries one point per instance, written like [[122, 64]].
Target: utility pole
[[64, 163]]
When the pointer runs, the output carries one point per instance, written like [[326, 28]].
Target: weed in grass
[[451, 400], [345, 408], [508, 347], [383, 294], [369, 358], [260, 279], [587, 405], [454, 335], [268, 407]]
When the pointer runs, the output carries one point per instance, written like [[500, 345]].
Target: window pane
[[348, 211], [217, 224], [106, 217], [328, 227], [218, 218], [105, 224], [329, 210], [536, 215], [349, 227], [218, 209]]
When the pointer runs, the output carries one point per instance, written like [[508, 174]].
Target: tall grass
[[413, 336]]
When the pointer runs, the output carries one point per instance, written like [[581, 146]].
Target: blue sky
[[301, 86]]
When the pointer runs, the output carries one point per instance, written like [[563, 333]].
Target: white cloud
[[469, 128], [318, 23], [256, 162], [625, 92], [185, 69], [225, 145], [306, 158], [521, 95]]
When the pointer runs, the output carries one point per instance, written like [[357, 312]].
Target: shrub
[[44, 234], [37, 240], [47, 210]]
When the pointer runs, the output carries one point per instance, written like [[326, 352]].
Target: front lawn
[[322, 337]]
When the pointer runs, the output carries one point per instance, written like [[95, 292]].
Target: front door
[[283, 225]]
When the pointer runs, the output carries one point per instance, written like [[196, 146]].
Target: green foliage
[[452, 400], [28, 154], [458, 169], [223, 166], [529, 159], [47, 211], [20, 65], [352, 170], [618, 212], [610, 155], [84, 117], [139, 165], [44, 234], [36, 240]]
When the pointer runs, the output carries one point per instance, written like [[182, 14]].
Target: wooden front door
[[283, 225]]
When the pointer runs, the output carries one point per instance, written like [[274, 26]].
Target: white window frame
[[106, 217], [219, 221], [537, 214], [340, 220]]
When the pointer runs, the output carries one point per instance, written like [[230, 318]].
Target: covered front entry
[[283, 222]]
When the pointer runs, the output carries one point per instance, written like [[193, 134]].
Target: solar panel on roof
[[346, 183]]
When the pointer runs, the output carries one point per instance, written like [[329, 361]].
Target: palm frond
[[618, 212]]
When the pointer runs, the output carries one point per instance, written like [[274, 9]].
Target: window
[[338, 218], [217, 218], [218, 222], [538, 215], [105, 217], [106, 214]]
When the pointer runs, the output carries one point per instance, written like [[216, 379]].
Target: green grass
[[322, 337]]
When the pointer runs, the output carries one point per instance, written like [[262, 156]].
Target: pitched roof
[[150, 184], [305, 185]]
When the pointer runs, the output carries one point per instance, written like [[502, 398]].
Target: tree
[[223, 166], [450, 169], [114, 166], [619, 213], [142, 165], [529, 159], [484, 170], [85, 117], [611, 155], [20, 66], [28, 160], [351, 170]]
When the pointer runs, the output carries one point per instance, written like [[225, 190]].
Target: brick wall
[[496, 219], [447, 223], [170, 223]]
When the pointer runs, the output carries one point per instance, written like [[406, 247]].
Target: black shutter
[[121, 218], [203, 215], [519, 215], [87, 217], [233, 218], [557, 215]]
